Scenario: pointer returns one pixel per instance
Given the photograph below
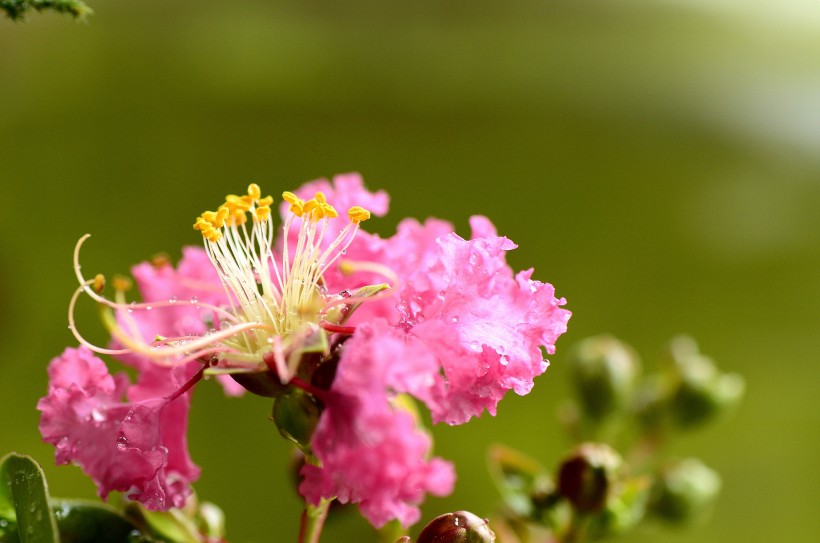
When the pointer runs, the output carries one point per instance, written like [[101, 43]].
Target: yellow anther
[[329, 211], [266, 201], [254, 191], [358, 214], [99, 283], [320, 197], [291, 198], [237, 217], [212, 235], [238, 202], [160, 260], [297, 205], [309, 207], [262, 213], [122, 283], [221, 216]]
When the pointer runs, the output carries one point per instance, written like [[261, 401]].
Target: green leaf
[[24, 499], [83, 521]]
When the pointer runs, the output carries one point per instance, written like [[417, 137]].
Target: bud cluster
[[597, 492]]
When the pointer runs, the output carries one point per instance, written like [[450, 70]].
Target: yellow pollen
[[160, 260], [235, 202], [358, 214], [262, 213], [320, 197], [297, 205], [122, 283], [99, 283], [254, 191], [329, 211]]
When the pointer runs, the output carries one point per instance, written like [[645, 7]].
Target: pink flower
[[136, 446], [360, 322]]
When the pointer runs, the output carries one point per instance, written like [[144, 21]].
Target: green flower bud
[[603, 372], [458, 527], [704, 393], [587, 475], [685, 491], [296, 414]]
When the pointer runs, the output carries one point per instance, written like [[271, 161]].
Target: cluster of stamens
[[274, 302]]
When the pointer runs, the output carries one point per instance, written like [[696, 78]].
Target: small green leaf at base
[[24, 500]]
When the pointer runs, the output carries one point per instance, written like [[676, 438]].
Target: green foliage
[[29, 515], [25, 514], [17, 9]]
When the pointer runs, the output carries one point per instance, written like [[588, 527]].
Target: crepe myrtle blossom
[[357, 323]]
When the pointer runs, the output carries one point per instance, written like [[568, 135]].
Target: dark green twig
[[17, 9]]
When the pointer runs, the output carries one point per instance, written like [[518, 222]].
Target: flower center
[[286, 295], [277, 300]]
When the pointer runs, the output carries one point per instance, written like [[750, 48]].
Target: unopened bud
[[587, 475], [604, 371], [704, 393], [296, 414], [458, 527], [685, 491]]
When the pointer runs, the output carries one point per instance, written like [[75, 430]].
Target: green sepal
[[339, 314], [296, 414], [24, 502], [172, 526]]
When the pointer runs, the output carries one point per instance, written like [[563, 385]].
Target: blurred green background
[[657, 161]]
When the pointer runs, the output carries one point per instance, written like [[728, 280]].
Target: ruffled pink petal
[[372, 453], [136, 447], [484, 325]]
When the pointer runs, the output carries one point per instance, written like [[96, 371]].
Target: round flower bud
[[458, 527], [685, 491], [703, 393], [603, 372], [587, 475]]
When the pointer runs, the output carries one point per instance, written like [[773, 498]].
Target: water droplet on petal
[[148, 308], [194, 300], [172, 300], [122, 442], [454, 320]]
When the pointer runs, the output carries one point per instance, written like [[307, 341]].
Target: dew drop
[[148, 308], [172, 300], [454, 320], [98, 415], [194, 300], [3, 523], [122, 442], [474, 345], [132, 306], [343, 252]]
